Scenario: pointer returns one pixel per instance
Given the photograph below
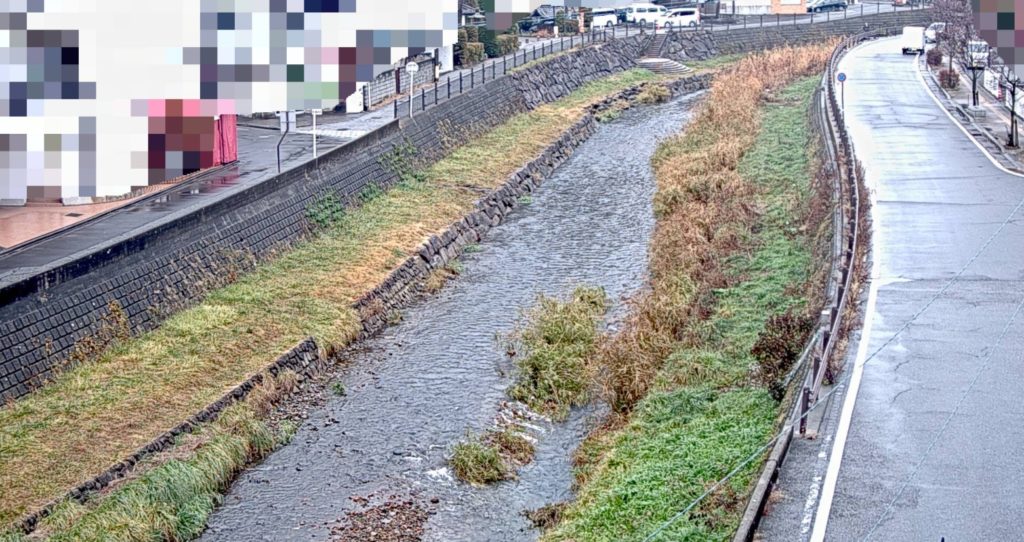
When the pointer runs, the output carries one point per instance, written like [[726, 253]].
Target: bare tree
[[959, 28], [1013, 85]]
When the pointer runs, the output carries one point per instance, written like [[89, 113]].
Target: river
[[416, 389]]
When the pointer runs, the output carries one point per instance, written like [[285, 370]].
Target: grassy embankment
[[99, 412], [734, 249]]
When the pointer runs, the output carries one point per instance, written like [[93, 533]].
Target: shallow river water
[[418, 387]]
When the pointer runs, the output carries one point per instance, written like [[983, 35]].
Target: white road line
[[839, 446]]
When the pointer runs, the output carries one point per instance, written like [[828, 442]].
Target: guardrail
[[814, 363]]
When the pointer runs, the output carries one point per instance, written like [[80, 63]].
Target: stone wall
[[71, 310], [703, 44]]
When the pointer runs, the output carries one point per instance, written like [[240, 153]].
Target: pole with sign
[[842, 88], [411, 68], [316, 113]]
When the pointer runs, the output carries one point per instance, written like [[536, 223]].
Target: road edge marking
[[835, 459], [842, 431]]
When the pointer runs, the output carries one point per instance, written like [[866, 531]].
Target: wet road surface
[[422, 384], [934, 433]]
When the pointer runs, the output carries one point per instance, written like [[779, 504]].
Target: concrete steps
[[664, 66], [653, 49]]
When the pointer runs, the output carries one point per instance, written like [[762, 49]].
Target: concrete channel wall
[[72, 309]]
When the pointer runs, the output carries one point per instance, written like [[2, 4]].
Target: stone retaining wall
[[64, 314], [703, 44]]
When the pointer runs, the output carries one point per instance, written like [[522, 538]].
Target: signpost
[[411, 68], [842, 88], [316, 113]]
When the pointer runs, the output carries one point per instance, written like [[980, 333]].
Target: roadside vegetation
[[732, 280], [101, 411]]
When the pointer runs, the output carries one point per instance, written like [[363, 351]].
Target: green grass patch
[[704, 415], [553, 350], [96, 414], [477, 462], [172, 499], [491, 457]]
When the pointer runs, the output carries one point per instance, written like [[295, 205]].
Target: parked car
[[912, 41], [534, 24], [826, 5], [931, 34], [680, 18], [602, 17], [644, 13]]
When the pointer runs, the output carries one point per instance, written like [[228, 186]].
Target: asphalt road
[[933, 413]]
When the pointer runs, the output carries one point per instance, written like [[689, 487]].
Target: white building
[[100, 96]]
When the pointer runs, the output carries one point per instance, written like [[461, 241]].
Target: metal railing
[[465, 80], [846, 221]]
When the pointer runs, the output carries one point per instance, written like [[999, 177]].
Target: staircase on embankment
[[653, 61]]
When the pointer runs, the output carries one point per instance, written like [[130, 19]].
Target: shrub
[[472, 34], [949, 78], [477, 463], [463, 37], [777, 348], [934, 57], [472, 53], [554, 347], [489, 39], [325, 211], [654, 94], [508, 43]]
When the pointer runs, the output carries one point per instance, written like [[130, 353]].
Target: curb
[[985, 138]]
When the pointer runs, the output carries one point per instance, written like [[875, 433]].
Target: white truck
[[913, 40]]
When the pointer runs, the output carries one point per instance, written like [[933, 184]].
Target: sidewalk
[[257, 161], [992, 126]]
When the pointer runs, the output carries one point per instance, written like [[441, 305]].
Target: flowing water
[[417, 388]]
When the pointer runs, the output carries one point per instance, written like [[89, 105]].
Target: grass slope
[[99, 412], [702, 416]]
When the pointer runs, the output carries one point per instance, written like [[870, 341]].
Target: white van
[[644, 13], [912, 42], [603, 17], [680, 18]]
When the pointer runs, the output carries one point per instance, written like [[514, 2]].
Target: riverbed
[[417, 388]]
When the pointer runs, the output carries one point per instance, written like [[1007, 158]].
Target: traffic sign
[[841, 77], [412, 67]]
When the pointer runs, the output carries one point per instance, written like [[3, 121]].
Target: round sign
[[841, 77], [412, 67]]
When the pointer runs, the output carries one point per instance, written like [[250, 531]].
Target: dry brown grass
[[704, 215], [99, 412]]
